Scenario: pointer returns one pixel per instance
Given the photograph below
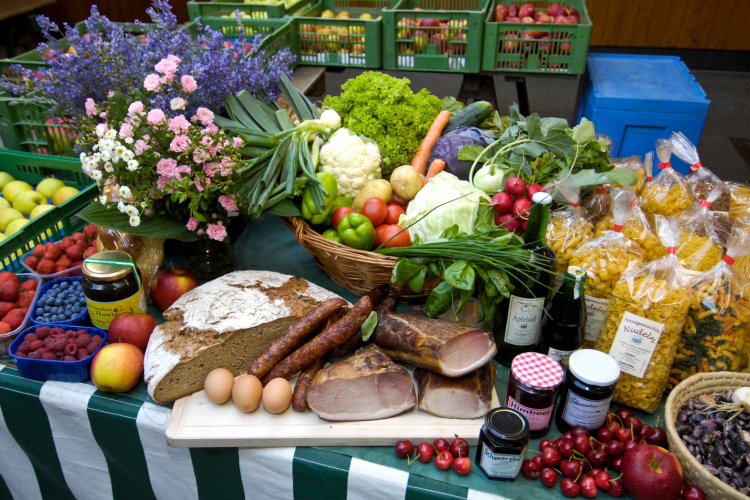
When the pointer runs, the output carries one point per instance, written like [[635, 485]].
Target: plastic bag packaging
[[714, 334], [648, 166], [742, 266], [147, 252], [670, 192], [701, 179], [739, 195], [598, 205], [567, 228], [699, 248], [634, 164], [605, 259], [639, 229], [642, 332]]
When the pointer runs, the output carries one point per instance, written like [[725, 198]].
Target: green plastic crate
[[345, 42], [253, 11], [53, 224], [563, 52], [451, 46]]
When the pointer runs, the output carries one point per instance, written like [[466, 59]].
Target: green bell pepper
[[331, 234], [309, 210], [340, 201], [356, 231]]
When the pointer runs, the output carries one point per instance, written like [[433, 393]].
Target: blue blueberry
[[53, 317], [39, 319], [64, 285], [56, 286]]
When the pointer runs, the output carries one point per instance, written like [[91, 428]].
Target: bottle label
[[538, 418], [585, 412], [102, 314], [524, 315], [501, 466], [561, 357], [557, 282], [635, 343], [596, 316]]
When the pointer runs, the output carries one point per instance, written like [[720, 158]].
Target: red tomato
[[394, 202], [339, 214], [379, 234], [393, 212], [402, 240], [375, 210]]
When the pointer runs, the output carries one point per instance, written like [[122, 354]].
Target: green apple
[[7, 215], [11, 189], [5, 178], [63, 194], [39, 210], [4, 203], [26, 201], [48, 186], [15, 226]]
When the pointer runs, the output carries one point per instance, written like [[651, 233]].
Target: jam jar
[[587, 394], [502, 444], [112, 285], [533, 387]]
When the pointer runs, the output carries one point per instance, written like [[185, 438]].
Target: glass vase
[[208, 259]]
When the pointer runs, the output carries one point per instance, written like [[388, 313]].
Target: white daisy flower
[[128, 140], [144, 204], [111, 134], [82, 157], [121, 207], [100, 130], [125, 192], [103, 200], [133, 165], [96, 175], [106, 156], [127, 155], [131, 210], [110, 145], [119, 150], [108, 167], [96, 157], [135, 220]]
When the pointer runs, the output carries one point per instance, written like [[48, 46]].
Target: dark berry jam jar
[[502, 444], [533, 386], [587, 394]]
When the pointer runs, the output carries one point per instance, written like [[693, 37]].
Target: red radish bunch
[[514, 204]]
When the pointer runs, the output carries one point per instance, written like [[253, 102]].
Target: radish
[[515, 186], [521, 208], [532, 190], [502, 203], [507, 222], [524, 224]]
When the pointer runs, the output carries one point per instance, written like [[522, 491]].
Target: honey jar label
[[538, 417], [596, 316], [102, 313], [501, 466], [635, 343], [524, 315]]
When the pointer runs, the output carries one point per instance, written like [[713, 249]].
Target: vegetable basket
[[358, 271], [697, 385]]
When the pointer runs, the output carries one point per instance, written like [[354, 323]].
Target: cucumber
[[471, 116]]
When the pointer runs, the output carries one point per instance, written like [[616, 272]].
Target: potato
[[406, 182], [379, 188]]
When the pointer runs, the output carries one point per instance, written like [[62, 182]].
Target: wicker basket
[[694, 472], [358, 271]]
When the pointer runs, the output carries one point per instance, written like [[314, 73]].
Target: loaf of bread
[[225, 323]]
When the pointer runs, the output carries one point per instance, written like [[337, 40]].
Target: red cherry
[[570, 468], [595, 444], [629, 445], [569, 488], [623, 413], [657, 436], [459, 447], [462, 466], [581, 444], [538, 460], [580, 430], [530, 469], [544, 443], [441, 444], [551, 457], [693, 493], [567, 435], [588, 487], [566, 448], [444, 460], [404, 449], [615, 449], [644, 429], [597, 458], [548, 477], [624, 434], [602, 480], [634, 424], [617, 463], [425, 451], [557, 442], [616, 489], [593, 472], [604, 435]]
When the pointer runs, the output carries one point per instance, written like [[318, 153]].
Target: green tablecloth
[[60, 440]]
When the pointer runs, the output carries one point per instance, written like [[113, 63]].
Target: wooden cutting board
[[198, 423]]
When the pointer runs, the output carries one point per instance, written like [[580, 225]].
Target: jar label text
[[596, 315], [102, 313], [538, 417], [501, 466], [585, 412]]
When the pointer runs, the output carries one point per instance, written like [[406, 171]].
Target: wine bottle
[[564, 325], [517, 321]]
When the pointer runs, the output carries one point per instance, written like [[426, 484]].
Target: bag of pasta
[[701, 179], [634, 164], [598, 205], [604, 259], [742, 266], [644, 323], [739, 199], [699, 248], [567, 228], [639, 229], [670, 192], [648, 167], [714, 334]]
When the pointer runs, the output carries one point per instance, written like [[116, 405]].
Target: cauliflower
[[352, 160]]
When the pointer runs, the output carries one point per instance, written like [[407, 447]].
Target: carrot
[[436, 167], [422, 155]]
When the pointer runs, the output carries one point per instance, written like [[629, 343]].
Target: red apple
[[131, 328], [169, 285], [428, 23], [526, 10], [513, 19], [117, 368], [513, 11], [651, 473]]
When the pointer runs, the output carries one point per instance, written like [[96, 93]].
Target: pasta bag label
[[635, 342], [596, 316]]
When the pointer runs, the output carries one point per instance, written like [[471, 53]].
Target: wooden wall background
[[674, 24], [73, 11]]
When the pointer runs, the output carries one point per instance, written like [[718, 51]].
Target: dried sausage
[[355, 341], [389, 304], [293, 336], [299, 398], [379, 293]]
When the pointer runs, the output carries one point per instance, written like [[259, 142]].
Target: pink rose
[[151, 82], [180, 143], [202, 184], [205, 115], [174, 59], [177, 103], [183, 169], [90, 107], [228, 203], [166, 66], [188, 83], [192, 224], [210, 169], [167, 167], [126, 130], [135, 108], [178, 124], [238, 142], [168, 78], [212, 128], [140, 147], [103, 114], [199, 156], [155, 117], [162, 182], [206, 140], [216, 232]]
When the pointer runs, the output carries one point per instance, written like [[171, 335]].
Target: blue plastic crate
[[81, 319], [61, 371], [639, 99]]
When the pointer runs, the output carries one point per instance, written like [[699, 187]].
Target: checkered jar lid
[[537, 371]]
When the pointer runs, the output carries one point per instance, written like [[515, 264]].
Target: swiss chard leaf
[[441, 299], [405, 269], [285, 208]]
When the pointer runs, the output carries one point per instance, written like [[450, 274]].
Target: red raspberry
[[71, 349], [97, 339], [59, 354], [82, 332], [92, 347], [50, 348], [19, 354], [30, 338], [24, 347], [69, 335], [42, 332], [69, 358], [32, 262], [60, 344], [82, 354], [35, 354], [29, 285], [37, 344], [83, 340], [46, 266], [57, 331], [48, 356], [49, 341], [38, 251]]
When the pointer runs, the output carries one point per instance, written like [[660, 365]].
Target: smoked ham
[[445, 347], [366, 386], [462, 397]]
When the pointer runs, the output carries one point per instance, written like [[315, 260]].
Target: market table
[[62, 440]]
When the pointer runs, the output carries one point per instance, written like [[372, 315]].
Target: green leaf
[[460, 275], [534, 127], [285, 208], [153, 227], [501, 281], [260, 112], [451, 104], [440, 300], [368, 327], [552, 123], [583, 133], [405, 270], [589, 177], [240, 114], [417, 282], [302, 107]]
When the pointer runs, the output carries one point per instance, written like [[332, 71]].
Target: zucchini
[[471, 116]]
